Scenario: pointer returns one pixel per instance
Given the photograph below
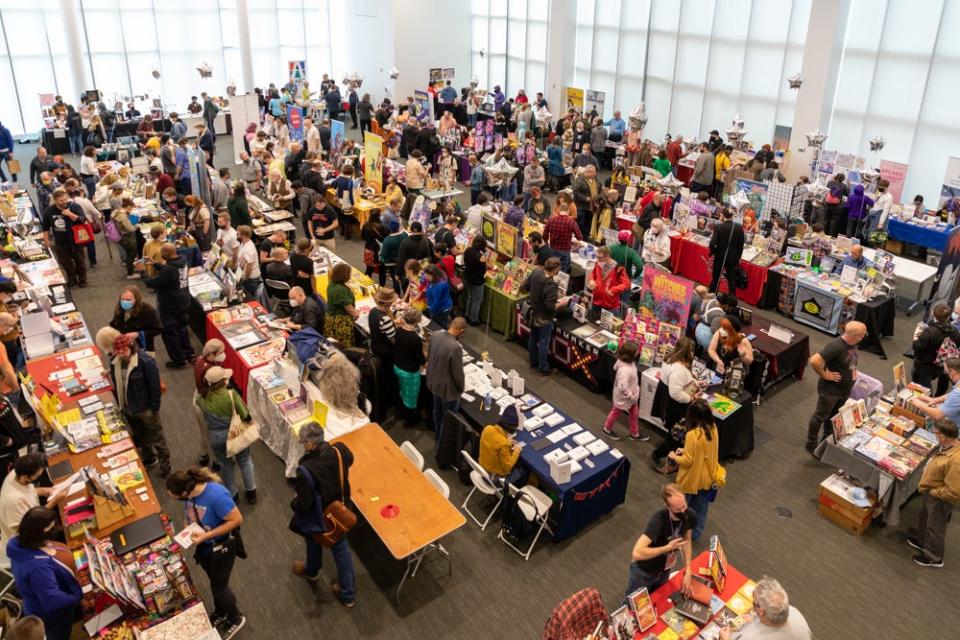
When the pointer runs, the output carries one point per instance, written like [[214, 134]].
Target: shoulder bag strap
[[340, 465]]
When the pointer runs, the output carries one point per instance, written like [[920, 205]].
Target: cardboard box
[[835, 505], [842, 521], [894, 246]]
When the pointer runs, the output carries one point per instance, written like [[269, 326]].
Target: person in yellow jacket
[[699, 472], [940, 488], [722, 163], [499, 451]]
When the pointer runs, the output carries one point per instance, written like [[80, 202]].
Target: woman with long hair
[[133, 315], [728, 344], [198, 221], [238, 207], [339, 387], [408, 358], [676, 376], [699, 473], [210, 505], [341, 306], [439, 302]]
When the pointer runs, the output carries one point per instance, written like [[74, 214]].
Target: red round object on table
[[390, 511]]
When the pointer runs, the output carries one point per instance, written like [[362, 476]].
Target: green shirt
[[339, 297], [389, 247], [239, 212], [218, 403], [626, 257], [663, 166]]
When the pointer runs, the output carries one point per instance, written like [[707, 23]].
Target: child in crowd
[[626, 393]]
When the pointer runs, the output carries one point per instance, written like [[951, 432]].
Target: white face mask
[[294, 303], [723, 333]]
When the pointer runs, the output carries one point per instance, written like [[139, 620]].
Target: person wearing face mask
[[45, 188], [44, 572], [305, 312], [19, 494], [728, 344], [665, 542], [607, 281], [214, 355], [133, 315]]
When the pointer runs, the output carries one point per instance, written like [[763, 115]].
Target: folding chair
[[414, 559], [484, 483], [535, 506], [411, 452]]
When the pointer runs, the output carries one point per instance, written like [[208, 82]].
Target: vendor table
[[437, 194], [785, 359], [463, 166], [928, 237], [499, 310], [241, 369], [383, 476], [591, 493], [588, 364], [912, 276], [41, 370], [893, 493], [693, 261]]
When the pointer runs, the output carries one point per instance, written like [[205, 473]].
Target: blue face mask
[[126, 305]]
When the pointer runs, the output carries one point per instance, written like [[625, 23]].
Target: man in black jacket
[[927, 345], [726, 245], [544, 302], [325, 470], [415, 246], [304, 311], [291, 164], [173, 301], [58, 221], [40, 163]]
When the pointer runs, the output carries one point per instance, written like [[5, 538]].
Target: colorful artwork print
[[665, 296]]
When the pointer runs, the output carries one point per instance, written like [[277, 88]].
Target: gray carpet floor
[[846, 586]]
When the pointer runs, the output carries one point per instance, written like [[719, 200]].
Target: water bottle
[[487, 402]]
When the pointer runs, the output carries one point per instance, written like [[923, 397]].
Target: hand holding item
[[720, 368], [687, 582]]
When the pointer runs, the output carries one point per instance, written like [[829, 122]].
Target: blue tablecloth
[[590, 494], [192, 255], [915, 234]]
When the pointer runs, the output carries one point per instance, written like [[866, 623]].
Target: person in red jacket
[[607, 281]]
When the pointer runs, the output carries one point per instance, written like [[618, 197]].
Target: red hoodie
[[607, 290]]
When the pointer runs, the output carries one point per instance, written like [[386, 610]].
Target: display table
[[499, 310], [42, 370], [912, 277], [590, 494], [588, 364], [693, 261], [785, 359], [238, 360], [929, 237]]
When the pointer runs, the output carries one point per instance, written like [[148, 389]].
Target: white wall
[[430, 33], [362, 41]]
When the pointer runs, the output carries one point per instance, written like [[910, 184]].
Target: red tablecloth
[[735, 580], [693, 261], [40, 370], [241, 370]]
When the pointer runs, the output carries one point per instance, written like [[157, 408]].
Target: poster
[[896, 173], [817, 307], [757, 195], [781, 137], [506, 239], [593, 100], [483, 136], [436, 77], [667, 295], [297, 70], [950, 191], [338, 134], [423, 106], [448, 73], [488, 229], [575, 99], [373, 159], [295, 123], [944, 288], [47, 99]]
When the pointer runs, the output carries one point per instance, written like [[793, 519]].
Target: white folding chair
[[437, 482], [483, 483], [535, 506], [7, 576], [411, 452]]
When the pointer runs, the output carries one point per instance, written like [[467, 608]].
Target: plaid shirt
[[559, 231], [576, 617]]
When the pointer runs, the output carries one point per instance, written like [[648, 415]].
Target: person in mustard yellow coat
[[699, 473]]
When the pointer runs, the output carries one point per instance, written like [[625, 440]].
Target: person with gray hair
[[776, 619], [324, 472]]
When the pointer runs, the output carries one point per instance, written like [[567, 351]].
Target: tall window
[[509, 44]]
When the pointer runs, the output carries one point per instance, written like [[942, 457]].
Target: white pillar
[[72, 33], [246, 52], [562, 28], [821, 64]]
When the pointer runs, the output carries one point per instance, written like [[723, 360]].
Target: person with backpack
[[932, 347]]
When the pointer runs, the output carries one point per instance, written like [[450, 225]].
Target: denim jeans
[[341, 557], [564, 257], [475, 301], [538, 346], [218, 444], [440, 407], [700, 503], [640, 578], [76, 142]]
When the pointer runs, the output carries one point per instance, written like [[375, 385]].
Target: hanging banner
[[373, 161], [422, 107], [295, 122], [337, 136], [666, 296], [593, 101], [575, 99], [297, 70], [896, 173], [950, 191], [945, 283]]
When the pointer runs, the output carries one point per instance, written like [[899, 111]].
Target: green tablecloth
[[499, 310]]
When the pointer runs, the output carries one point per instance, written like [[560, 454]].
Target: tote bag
[[242, 434]]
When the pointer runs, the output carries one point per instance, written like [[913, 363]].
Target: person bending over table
[[655, 554], [948, 405], [728, 344], [304, 312], [19, 493], [499, 450]]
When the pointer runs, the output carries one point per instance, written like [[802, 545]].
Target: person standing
[[210, 111], [365, 113], [58, 221], [173, 301], [210, 505], [248, 262], [703, 169], [133, 315], [408, 358], [533, 176], [586, 188], [836, 365], [776, 618], [726, 246], [626, 393], [6, 152], [474, 275], [341, 306], [926, 346], [322, 224], [665, 542], [940, 488], [607, 282], [560, 233], [324, 473], [699, 472], [445, 378], [544, 301]]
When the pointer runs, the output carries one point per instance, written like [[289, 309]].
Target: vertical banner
[[950, 191], [594, 100], [423, 105], [337, 136], [575, 99], [945, 283], [295, 122], [667, 296], [373, 159], [244, 110], [896, 173], [297, 70]]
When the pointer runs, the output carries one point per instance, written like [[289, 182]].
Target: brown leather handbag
[[337, 516]]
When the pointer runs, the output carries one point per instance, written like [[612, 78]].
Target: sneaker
[[234, 628], [610, 434], [546, 372], [335, 588], [151, 463], [913, 542], [299, 569], [639, 437], [176, 365], [251, 496], [217, 619], [922, 560]]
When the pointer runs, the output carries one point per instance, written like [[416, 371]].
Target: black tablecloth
[[736, 430], [784, 359]]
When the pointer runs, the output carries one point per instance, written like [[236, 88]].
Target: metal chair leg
[[402, 580]]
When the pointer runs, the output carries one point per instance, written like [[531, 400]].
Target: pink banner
[[896, 173]]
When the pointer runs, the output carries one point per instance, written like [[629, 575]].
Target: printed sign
[[666, 296]]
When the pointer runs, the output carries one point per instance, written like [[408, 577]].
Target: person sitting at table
[[776, 618], [500, 451], [20, 494], [305, 312], [339, 388], [131, 112], [607, 281], [728, 344], [341, 306], [656, 244], [44, 572], [854, 258], [133, 315], [715, 308], [145, 129]]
